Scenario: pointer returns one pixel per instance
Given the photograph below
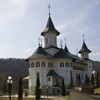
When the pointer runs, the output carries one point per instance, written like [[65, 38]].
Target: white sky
[[22, 21]]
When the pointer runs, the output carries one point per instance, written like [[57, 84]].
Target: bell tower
[[84, 50], [50, 33]]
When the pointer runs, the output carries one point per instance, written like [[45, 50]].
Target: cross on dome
[[83, 38], [49, 9]]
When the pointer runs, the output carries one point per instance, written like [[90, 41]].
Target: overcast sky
[[22, 21]]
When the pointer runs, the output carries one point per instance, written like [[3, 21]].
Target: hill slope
[[13, 67]]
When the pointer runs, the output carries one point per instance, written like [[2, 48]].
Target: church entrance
[[56, 91]]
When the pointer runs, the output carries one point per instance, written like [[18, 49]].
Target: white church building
[[53, 64]]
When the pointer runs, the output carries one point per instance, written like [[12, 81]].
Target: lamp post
[[9, 82], [47, 90], [94, 77]]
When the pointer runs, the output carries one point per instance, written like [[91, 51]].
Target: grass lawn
[[54, 98], [97, 91]]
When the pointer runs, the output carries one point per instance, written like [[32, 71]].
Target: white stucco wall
[[52, 39]]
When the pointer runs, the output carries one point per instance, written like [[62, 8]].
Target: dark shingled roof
[[63, 54], [66, 49], [39, 51], [84, 49], [50, 27], [53, 73]]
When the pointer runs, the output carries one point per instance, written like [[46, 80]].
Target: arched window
[[67, 64], [50, 65], [43, 64], [61, 64], [71, 65], [37, 64], [32, 64]]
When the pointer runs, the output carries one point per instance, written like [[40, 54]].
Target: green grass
[[97, 91], [26, 98]]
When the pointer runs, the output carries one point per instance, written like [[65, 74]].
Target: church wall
[[50, 39], [80, 69], [32, 75], [41, 70], [77, 72], [89, 68], [64, 71], [85, 55]]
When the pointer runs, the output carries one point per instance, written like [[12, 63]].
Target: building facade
[[53, 64]]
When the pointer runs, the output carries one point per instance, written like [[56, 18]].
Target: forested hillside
[[13, 67]]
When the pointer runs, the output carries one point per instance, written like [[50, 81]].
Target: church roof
[[40, 52], [66, 49], [84, 48], [66, 54], [53, 73], [63, 54], [50, 27]]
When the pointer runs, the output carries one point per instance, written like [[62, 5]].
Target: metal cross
[[65, 41], [83, 37], [39, 41], [49, 9]]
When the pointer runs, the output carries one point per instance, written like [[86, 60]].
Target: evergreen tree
[[76, 78], [92, 80], [86, 80], [20, 89], [97, 80], [63, 89], [4, 90], [79, 79], [38, 91], [71, 80]]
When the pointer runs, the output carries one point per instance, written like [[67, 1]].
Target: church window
[[32, 64], [37, 64], [46, 40], [50, 65], [49, 79], [61, 64], [43, 64], [71, 65], [82, 76], [67, 64]]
